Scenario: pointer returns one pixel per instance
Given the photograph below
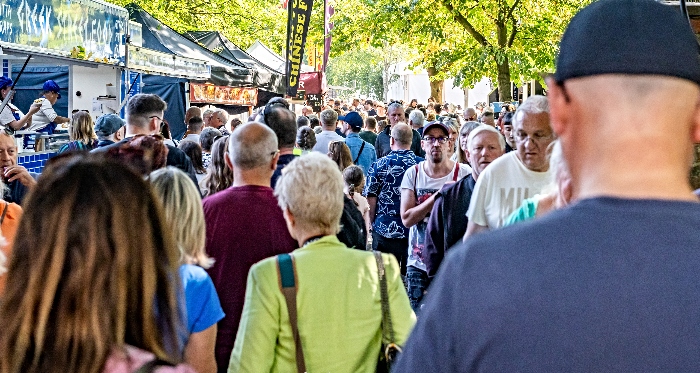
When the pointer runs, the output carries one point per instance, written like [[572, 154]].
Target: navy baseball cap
[[353, 119], [641, 37], [108, 124], [5, 82], [51, 86]]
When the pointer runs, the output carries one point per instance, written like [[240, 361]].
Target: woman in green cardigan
[[338, 299]]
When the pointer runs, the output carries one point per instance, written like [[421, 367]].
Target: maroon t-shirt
[[244, 225]]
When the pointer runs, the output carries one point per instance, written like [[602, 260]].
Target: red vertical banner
[[328, 26]]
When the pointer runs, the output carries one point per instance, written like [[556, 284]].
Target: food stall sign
[[151, 61], [214, 94], [91, 30]]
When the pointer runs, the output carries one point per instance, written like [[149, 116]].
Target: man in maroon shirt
[[244, 225]]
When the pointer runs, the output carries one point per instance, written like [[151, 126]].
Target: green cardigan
[[339, 312]]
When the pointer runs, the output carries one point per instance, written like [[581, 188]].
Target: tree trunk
[[466, 97], [435, 85], [504, 92]]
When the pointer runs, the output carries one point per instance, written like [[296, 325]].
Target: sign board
[[298, 17], [90, 30], [301, 95], [214, 94], [315, 101], [151, 61]]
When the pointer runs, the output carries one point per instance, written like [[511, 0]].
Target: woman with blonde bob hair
[[185, 217], [91, 284], [82, 133], [337, 289]]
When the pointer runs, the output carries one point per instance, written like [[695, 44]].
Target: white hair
[[306, 181], [416, 117], [533, 105], [481, 128]]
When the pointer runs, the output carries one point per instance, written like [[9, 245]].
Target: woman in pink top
[[91, 285]]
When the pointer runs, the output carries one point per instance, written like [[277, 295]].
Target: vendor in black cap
[[11, 117], [46, 119], [610, 283], [109, 129]]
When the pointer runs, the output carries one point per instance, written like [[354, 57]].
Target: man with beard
[[417, 197], [448, 218]]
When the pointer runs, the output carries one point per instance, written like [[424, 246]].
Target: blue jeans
[[417, 282]]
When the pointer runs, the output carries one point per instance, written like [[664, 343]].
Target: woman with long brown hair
[[219, 175], [91, 284], [340, 154]]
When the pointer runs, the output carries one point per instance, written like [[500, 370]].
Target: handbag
[[390, 350]]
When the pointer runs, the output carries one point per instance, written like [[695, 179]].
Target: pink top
[[130, 359]]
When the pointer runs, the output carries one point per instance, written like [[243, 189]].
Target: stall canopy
[[264, 77], [265, 55], [156, 35]]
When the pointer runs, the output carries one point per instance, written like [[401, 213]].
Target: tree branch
[[512, 9], [513, 31], [466, 24]]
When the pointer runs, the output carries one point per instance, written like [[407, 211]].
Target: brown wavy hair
[[340, 154], [219, 175], [93, 269]]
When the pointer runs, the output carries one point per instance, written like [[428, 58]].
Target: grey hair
[[206, 137], [416, 117], [221, 113], [533, 105], [249, 151], [306, 181], [329, 117], [394, 105], [487, 128]]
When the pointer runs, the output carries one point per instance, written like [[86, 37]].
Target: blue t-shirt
[[606, 285], [202, 302], [384, 182]]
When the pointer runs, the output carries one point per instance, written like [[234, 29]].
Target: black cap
[[640, 37]]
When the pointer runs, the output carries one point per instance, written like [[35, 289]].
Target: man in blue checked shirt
[[383, 191], [363, 153]]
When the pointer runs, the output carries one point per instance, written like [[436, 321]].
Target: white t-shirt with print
[[44, 116], [424, 187], [501, 188]]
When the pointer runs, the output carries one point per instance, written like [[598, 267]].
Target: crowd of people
[[552, 236]]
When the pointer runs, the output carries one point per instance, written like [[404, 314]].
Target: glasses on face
[[537, 137], [431, 140], [157, 117]]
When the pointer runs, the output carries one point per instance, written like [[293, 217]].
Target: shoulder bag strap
[[456, 174], [4, 212], [415, 181], [288, 280], [387, 327], [360, 152]]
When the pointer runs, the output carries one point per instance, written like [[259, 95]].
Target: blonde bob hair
[[183, 212], [306, 181], [81, 128]]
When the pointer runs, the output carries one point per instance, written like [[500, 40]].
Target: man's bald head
[[252, 145], [402, 136], [470, 114], [192, 112]]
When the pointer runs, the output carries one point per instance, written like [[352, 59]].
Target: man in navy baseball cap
[[363, 153]]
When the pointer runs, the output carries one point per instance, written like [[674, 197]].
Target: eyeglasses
[[440, 140], [155, 116], [537, 137]]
